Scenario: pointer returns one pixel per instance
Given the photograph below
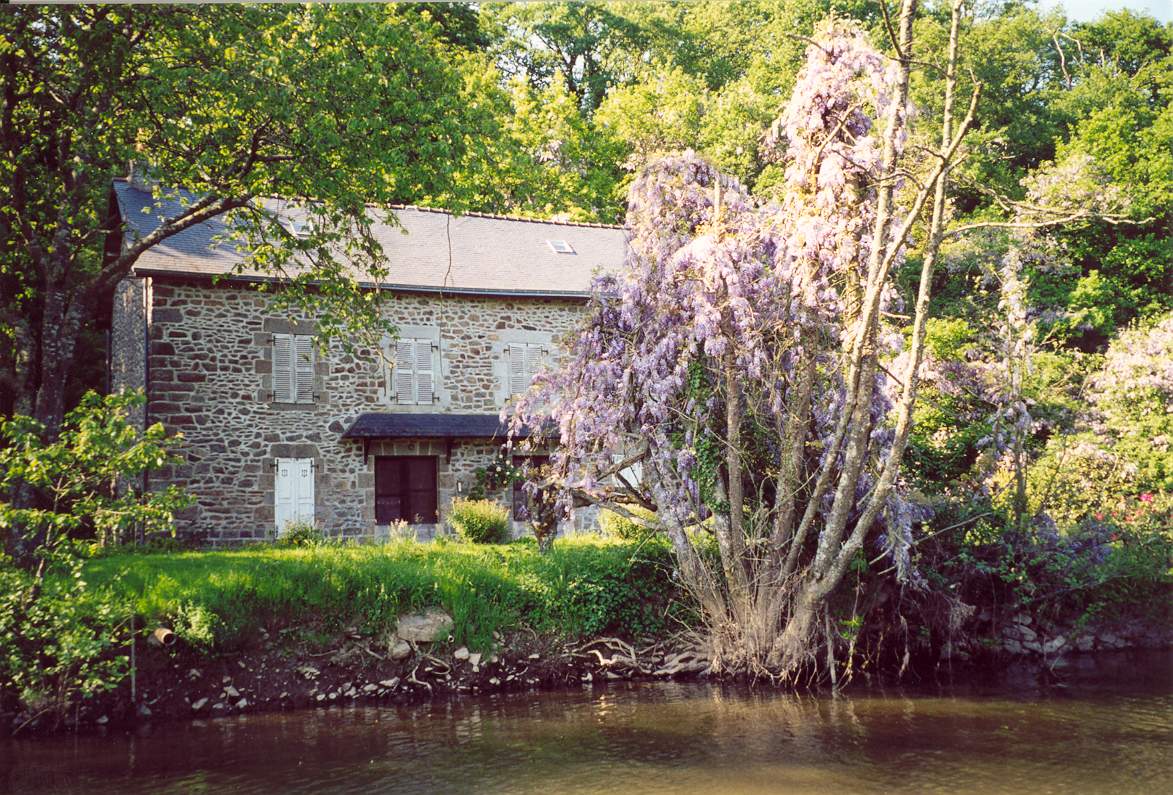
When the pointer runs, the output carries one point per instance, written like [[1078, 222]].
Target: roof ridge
[[469, 213], [501, 216]]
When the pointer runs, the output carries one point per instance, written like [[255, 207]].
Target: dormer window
[[560, 246], [299, 229]]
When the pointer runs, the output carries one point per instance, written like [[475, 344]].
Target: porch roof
[[387, 425]]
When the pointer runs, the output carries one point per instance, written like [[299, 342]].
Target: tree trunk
[[59, 329]]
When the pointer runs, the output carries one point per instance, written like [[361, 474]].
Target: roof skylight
[[560, 246]]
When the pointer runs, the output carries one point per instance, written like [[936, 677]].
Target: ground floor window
[[522, 502], [405, 489]]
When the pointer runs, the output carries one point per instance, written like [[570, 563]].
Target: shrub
[[479, 521], [619, 526], [301, 534], [59, 641]]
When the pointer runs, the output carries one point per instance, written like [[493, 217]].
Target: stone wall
[[209, 371], [1028, 635]]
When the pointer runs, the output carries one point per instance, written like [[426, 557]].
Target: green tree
[[330, 106], [59, 637]]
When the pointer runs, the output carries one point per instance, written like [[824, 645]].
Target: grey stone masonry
[[204, 353]]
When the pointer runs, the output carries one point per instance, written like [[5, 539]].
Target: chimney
[[139, 176]]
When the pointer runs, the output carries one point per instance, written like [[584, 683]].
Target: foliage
[[301, 534], [581, 587], [728, 355], [82, 483], [330, 108], [499, 474], [1122, 446], [479, 521], [617, 525], [60, 640], [1107, 568]]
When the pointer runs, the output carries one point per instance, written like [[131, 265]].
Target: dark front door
[[405, 489]]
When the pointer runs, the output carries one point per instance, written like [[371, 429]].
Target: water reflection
[[1110, 728]]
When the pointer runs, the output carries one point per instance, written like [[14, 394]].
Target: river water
[[1107, 728]]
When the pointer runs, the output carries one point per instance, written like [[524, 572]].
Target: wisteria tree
[[746, 361]]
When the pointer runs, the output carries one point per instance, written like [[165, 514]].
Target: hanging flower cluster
[[717, 283]]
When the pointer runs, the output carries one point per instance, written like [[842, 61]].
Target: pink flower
[[1146, 497]]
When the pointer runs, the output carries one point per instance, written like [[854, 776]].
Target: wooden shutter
[[284, 494], [303, 371], [533, 363], [283, 368], [518, 382], [293, 492], [424, 381], [405, 371], [304, 499]]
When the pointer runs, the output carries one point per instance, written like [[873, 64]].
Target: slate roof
[[472, 253], [426, 426]]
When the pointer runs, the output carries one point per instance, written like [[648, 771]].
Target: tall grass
[[582, 587]]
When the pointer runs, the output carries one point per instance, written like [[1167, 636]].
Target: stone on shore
[[431, 625]]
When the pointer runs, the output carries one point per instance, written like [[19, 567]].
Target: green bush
[[301, 534], [479, 521], [619, 526], [60, 641]]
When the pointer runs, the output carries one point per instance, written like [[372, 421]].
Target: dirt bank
[[279, 673]]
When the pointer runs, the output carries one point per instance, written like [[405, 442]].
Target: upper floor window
[[412, 379], [293, 368], [525, 361]]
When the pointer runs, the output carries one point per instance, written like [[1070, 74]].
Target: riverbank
[[269, 628], [1106, 729]]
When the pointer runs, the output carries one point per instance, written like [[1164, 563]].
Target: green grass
[[583, 587]]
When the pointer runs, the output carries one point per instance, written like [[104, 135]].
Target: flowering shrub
[[737, 358], [1122, 447]]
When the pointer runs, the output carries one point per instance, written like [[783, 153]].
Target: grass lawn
[[584, 586]]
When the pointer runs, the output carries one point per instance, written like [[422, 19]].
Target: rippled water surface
[[1109, 728]]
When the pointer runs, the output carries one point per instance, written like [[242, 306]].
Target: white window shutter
[[425, 383], [305, 490], [518, 381], [293, 492], [304, 369], [533, 362], [283, 368], [284, 494], [405, 371]]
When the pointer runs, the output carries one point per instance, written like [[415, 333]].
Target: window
[[405, 489], [561, 246], [293, 492], [525, 361], [521, 500], [412, 379], [293, 368]]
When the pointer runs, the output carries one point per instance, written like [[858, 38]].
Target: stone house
[[276, 431]]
